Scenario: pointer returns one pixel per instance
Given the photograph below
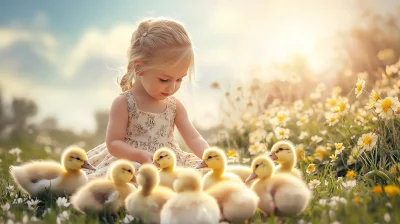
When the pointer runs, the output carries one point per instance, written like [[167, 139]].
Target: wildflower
[[298, 105], [310, 168], [5, 207], [333, 157], [32, 204], [351, 174], [257, 136], [395, 169], [357, 199], [377, 189], [332, 118], [215, 85], [331, 102], [397, 86], [316, 138], [300, 151], [391, 190], [62, 202], [303, 120], [320, 152], [257, 148], [351, 160], [312, 184], [15, 151], [386, 217], [339, 148], [245, 160], [64, 216], [349, 184], [367, 141], [47, 211], [322, 202], [282, 133], [374, 96], [18, 201], [281, 118], [128, 219], [360, 85], [303, 135], [10, 187], [385, 108]]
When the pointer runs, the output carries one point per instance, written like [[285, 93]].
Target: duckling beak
[[251, 177], [133, 180], [202, 165], [87, 165], [273, 156], [156, 164]]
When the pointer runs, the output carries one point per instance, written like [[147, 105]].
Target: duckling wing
[[105, 194], [43, 170]]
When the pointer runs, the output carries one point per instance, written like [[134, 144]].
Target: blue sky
[[63, 54]]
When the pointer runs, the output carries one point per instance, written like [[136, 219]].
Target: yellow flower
[[356, 199], [231, 153], [351, 174], [309, 159], [333, 157], [300, 153], [391, 190], [360, 85], [395, 169], [387, 107], [310, 168], [377, 189]]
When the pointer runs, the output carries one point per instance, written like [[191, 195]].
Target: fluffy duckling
[[215, 159], [284, 153], [281, 194], [190, 204], [146, 203], [106, 194], [37, 176], [242, 171], [165, 159], [236, 201]]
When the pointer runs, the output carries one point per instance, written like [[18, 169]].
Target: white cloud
[[108, 44]]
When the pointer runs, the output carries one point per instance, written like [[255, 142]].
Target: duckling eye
[[77, 158], [130, 171], [209, 157], [257, 165], [161, 157]]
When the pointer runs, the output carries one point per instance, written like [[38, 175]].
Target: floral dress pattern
[[145, 131]]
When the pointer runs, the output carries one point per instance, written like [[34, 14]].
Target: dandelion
[[62, 202], [391, 190], [377, 189], [386, 108], [360, 85], [367, 141], [351, 174], [310, 168], [282, 133]]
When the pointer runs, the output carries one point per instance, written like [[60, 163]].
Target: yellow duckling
[[106, 194], [236, 201], [165, 159], [37, 176], [215, 159], [281, 194], [284, 153], [241, 170], [146, 203], [190, 204]]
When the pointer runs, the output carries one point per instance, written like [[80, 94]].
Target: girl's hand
[[146, 157]]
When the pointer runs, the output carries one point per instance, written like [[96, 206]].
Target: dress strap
[[131, 101]]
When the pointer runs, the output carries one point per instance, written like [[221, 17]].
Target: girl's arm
[[192, 138], [116, 132]]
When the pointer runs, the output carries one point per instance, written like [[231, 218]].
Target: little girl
[[143, 117]]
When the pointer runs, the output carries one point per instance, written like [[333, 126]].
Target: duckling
[[242, 171], [146, 203], [165, 159], [236, 201], [281, 194], [190, 204], [215, 159], [37, 176], [284, 153], [106, 194]]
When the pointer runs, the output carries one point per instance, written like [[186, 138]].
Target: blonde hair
[[160, 40]]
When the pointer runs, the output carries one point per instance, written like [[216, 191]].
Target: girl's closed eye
[[163, 80]]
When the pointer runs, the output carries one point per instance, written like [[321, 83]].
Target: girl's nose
[[171, 87]]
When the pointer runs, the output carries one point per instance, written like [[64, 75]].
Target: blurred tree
[[22, 110], [49, 123], [101, 122]]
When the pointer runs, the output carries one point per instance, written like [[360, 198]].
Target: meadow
[[347, 143]]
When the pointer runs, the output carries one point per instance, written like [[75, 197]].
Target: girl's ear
[[138, 65]]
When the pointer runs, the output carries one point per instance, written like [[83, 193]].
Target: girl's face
[[161, 83]]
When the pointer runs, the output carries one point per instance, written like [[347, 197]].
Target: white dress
[[145, 131]]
